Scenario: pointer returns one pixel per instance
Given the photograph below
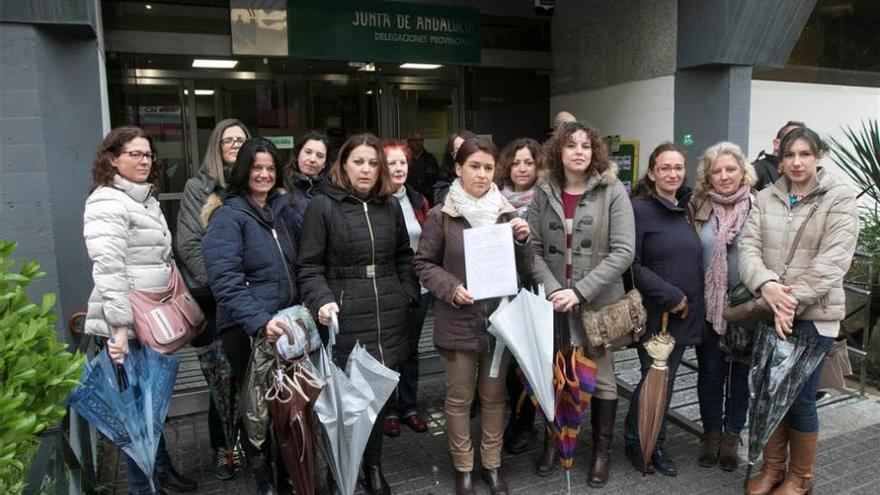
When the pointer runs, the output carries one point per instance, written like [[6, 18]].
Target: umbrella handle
[[664, 323]]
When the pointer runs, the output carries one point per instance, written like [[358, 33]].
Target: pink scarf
[[726, 226]]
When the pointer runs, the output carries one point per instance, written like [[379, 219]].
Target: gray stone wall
[[50, 125], [598, 43]]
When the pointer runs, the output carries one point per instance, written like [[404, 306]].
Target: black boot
[[262, 474], [176, 482], [374, 480], [547, 460]]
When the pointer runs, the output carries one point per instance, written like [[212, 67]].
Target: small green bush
[[36, 371]]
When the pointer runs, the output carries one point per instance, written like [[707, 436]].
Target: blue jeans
[[631, 425], [802, 416], [403, 402], [138, 482], [722, 387]]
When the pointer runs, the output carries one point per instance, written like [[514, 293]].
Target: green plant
[[36, 371], [860, 157]]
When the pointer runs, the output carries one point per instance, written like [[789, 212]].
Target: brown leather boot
[[710, 446], [547, 460], [464, 483], [602, 421], [800, 467], [728, 457], [773, 471], [497, 483]]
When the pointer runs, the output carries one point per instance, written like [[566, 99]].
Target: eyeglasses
[[232, 141], [139, 155]]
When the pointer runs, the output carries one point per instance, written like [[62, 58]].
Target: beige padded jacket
[[823, 255]]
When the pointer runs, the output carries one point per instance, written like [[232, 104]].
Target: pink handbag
[[166, 320]]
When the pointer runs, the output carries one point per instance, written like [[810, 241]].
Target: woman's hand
[[783, 326], [682, 308], [274, 330], [564, 300], [117, 347], [778, 297], [521, 229], [325, 312], [462, 297]]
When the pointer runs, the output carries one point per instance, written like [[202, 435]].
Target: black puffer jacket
[[342, 237]]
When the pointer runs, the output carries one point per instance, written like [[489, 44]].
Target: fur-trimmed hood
[[215, 200]]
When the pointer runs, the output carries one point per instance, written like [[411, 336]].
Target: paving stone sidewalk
[[847, 462]]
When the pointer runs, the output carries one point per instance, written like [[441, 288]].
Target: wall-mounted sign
[[258, 27], [281, 142], [370, 30]]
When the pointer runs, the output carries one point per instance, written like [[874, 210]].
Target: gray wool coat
[[597, 286]]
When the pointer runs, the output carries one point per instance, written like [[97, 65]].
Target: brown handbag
[[168, 319], [749, 312], [620, 323]]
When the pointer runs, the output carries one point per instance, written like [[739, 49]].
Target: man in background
[[767, 165], [423, 170]]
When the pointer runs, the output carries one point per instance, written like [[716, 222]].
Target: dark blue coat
[[300, 190], [250, 259], [668, 266]]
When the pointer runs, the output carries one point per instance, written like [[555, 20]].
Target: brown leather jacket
[[439, 264]]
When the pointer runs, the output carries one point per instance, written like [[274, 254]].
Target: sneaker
[[224, 467]]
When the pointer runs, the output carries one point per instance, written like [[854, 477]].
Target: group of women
[[351, 239]]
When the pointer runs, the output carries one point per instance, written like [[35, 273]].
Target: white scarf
[[481, 211]]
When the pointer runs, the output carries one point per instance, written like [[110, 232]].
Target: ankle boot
[[800, 467], [773, 471], [374, 480], [497, 483], [709, 448], [547, 460], [464, 483], [602, 421], [728, 457], [262, 475]]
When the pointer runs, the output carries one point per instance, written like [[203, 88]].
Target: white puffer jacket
[[130, 247]]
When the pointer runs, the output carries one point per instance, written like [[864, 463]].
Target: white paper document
[[489, 261]]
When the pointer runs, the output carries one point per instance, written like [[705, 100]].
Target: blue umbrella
[[132, 418]]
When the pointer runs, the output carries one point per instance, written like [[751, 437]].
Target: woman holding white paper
[[460, 327], [580, 194]]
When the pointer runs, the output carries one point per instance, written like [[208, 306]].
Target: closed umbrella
[[348, 407], [290, 400], [653, 394], [525, 326], [780, 368], [224, 394], [132, 418]]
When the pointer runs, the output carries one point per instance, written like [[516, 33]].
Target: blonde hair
[[711, 156], [212, 164]]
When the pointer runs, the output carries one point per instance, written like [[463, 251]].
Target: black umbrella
[[779, 370]]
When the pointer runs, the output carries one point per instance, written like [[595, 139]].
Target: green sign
[[281, 142], [369, 30], [687, 139]]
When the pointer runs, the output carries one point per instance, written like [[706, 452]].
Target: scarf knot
[[479, 212]]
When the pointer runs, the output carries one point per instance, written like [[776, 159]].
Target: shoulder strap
[[797, 239]]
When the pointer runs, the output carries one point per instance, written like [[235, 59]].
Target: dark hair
[[339, 177], [396, 144], [449, 160], [473, 145], [646, 187], [817, 145], [240, 175], [115, 140], [553, 150], [791, 123], [502, 174], [293, 163]]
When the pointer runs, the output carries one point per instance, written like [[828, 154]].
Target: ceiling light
[[186, 92], [203, 63], [204, 92], [371, 67], [369, 92], [148, 7], [420, 66]]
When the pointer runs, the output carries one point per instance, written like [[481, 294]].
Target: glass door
[[432, 109]]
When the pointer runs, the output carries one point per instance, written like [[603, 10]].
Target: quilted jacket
[[823, 255], [130, 247]]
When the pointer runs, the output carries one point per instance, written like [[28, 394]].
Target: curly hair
[[339, 177], [553, 150], [646, 187], [115, 140], [396, 144], [708, 160], [505, 163]]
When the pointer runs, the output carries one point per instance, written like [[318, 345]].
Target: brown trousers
[[463, 371]]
